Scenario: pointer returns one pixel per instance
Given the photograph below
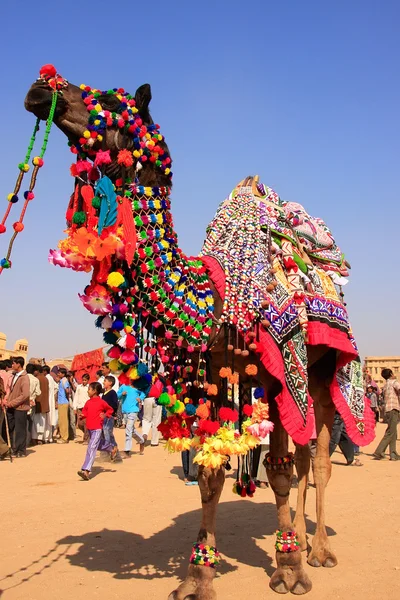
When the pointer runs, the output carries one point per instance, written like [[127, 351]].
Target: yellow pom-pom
[[98, 108], [187, 400], [100, 138], [115, 279], [86, 134], [128, 329], [133, 374], [82, 86], [25, 167], [136, 153], [9, 197], [114, 364], [167, 171], [180, 408], [97, 121]]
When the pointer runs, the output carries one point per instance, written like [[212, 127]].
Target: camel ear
[[143, 99]]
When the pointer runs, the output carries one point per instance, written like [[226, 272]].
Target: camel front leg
[[321, 553], [289, 575], [198, 584], [302, 462]]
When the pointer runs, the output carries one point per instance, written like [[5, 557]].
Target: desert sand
[[128, 532]]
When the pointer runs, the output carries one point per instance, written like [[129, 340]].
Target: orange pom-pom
[[212, 390], [251, 370], [225, 372], [234, 378], [202, 411]]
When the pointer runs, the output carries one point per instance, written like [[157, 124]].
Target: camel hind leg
[[289, 575], [198, 584]]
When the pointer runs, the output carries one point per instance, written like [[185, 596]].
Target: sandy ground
[[127, 533]]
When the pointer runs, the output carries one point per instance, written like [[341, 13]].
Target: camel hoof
[[278, 585], [301, 587], [330, 562], [313, 562], [288, 580]]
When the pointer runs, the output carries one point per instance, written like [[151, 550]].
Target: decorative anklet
[[204, 555], [286, 541], [274, 463]]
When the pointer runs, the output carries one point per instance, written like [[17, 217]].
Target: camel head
[[101, 125]]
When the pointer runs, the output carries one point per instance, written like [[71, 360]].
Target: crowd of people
[[40, 406]]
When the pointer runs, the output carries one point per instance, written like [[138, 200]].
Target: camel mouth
[[39, 99]]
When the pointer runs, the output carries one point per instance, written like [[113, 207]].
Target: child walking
[[132, 399], [94, 411]]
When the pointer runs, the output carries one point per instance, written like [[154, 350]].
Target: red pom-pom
[[2, 228], [247, 410], [18, 226], [227, 414], [48, 70]]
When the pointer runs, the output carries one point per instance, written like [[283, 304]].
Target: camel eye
[[109, 102]]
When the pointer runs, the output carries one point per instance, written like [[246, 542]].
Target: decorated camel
[[253, 333]]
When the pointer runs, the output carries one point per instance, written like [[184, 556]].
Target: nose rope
[[38, 162]]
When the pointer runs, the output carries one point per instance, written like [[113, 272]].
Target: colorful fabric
[[292, 295]]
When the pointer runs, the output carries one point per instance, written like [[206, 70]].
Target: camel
[[119, 123]]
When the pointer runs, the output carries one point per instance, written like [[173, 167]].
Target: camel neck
[[172, 288]]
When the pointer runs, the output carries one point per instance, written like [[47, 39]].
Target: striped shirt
[[391, 391]]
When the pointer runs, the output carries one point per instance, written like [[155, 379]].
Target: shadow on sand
[[128, 555]]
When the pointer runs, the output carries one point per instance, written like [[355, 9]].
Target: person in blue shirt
[[64, 394], [132, 399]]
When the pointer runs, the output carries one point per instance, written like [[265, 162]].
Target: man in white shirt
[[105, 369], [80, 398]]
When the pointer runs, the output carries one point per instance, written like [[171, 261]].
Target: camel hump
[[251, 181]]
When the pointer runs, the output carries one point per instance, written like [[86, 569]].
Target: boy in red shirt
[[94, 411]]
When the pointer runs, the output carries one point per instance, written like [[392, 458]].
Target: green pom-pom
[[79, 218], [164, 399], [96, 202]]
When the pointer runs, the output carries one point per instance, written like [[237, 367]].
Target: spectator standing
[[34, 392], [6, 375], [53, 414], [391, 393], [373, 398], [71, 413], [4, 447], [80, 398], [64, 394], [41, 430], [17, 406], [152, 412]]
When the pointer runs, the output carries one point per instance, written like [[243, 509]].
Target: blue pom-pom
[[14, 199], [190, 409], [117, 325], [148, 378], [142, 369], [259, 393]]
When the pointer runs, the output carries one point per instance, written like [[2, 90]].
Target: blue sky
[[306, 94]]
